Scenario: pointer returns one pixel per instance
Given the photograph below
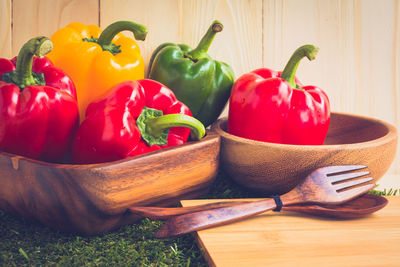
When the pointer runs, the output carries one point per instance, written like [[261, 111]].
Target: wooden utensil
[[359, 207], [327, 185]]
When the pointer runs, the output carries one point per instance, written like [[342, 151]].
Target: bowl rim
[[387, 138], [14, 158]]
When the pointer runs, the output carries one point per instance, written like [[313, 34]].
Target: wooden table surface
[[293, 239]]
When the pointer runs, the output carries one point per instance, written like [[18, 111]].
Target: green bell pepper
[[197, 80]]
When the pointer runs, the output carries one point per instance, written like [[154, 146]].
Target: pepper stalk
[[106, 37], [23, 76], [201, 50], [289, 72], [154, 126]]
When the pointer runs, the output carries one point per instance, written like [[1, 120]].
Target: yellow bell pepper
[[97, 60]]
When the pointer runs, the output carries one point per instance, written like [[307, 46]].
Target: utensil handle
[[196, 221], [160, 213]]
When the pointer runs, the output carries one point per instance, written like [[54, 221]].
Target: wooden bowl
[[272, 168], [91, 199]]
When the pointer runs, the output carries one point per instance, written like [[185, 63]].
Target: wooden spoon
[[356, 208], [359, 207]]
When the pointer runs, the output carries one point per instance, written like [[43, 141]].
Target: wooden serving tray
[[91, 199], [294, 239]]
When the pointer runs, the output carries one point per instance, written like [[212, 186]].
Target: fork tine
[[330, 170], [352, 183], [346, 176], [355, 192]]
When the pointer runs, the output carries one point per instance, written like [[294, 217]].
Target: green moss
[[25, 243], [384, 192], [28, 244]]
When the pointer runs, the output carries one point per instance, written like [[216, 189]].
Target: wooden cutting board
[[293, 239]]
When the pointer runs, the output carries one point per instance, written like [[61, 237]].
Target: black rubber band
[[278, 203]]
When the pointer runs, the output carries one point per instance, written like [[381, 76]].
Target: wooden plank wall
[[358, 64]]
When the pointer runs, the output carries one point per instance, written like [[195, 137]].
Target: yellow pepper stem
[[106, 37]]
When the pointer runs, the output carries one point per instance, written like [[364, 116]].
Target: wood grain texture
[[276, 168], [358, 64], [161, 19], [178, 21], [44, 17], [326, 24], [358, 58], [5, 28], [91, 199], [290, 239]]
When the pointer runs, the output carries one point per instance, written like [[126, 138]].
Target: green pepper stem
[[289, 72], [157, 125], [201, 50], [106, 37], [39, 46]]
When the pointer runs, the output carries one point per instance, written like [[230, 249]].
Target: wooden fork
[[327, 185]]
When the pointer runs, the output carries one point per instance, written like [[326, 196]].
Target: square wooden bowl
[[91, 199], [272, 168]]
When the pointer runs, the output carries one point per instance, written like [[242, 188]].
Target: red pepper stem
[[154, 126], [106, 37], [289, 72], [157, 125], [201, 50], [39, 46]]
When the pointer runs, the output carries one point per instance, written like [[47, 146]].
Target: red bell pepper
[[271, 106], [129, 121], [38, 106]]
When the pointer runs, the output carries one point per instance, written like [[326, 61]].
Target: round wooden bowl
[[272, 168], [91, 199]]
